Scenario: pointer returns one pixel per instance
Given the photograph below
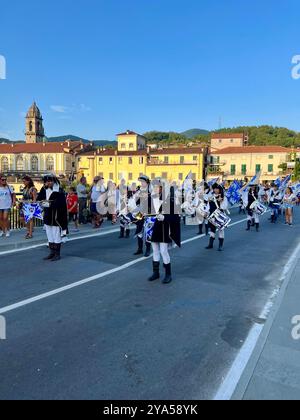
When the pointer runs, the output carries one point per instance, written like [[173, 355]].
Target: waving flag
[[284, 184], [277, 182], [233, 194], [213, 181], [32, 210]]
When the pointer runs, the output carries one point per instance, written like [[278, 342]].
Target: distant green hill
[[194, 132], [61, 139]]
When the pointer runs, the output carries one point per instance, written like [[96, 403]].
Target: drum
[[258, 208], [202, 210], [148, 228], [219, 219]]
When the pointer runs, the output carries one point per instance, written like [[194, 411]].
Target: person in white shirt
[[7, 201], [289, 201]]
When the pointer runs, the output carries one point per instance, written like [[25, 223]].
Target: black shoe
[[221, 244], [168, 277], [200, 230], [155, 275], [257, 227], [52, 252], [139, 252], [127, 233], [248, 226], [211, 243]]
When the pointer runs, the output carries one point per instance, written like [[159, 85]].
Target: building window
[[180, 177], [30, 126], [111, 160], [258, 168], [130, 161], [111, 176], [130, 176], [164, 175], [34, 163], [101, 161], [181, 160], [120, 176], [231, 141], [194, 177], [270, 168], [123, 146], [120, 160], [232, 169], [244, 169], [4, 164], [141, 160], [166, 159], [271, 156], [20, 163], [195, 158], [101, 175], [131, 146], [153, 176], [49, 164]]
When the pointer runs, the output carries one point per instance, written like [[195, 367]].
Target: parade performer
[[218, 203], [165, 229], [275, 202], [143, 202], [204, 195], [252, 214], [289, 201], [55, 215], [125, 219]]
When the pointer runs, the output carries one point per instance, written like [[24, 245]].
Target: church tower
[[34, 125]]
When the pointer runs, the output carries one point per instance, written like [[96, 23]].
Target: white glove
[[160, 217]]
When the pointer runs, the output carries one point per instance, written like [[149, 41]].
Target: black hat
[[144, 178], [49, 178]]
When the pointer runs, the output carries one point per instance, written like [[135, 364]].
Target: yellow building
[[239, 162], [132, 159]]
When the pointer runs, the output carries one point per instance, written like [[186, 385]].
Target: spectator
[[72, 206], [97, 193], [7, 201], [82, 193], [29, 196], [112, 201]]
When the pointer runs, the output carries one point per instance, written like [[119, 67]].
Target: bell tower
[[34, 125]]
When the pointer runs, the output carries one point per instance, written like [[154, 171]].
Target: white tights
[[161, 250]]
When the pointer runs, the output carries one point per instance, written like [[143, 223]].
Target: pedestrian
[[97, 194], [72, 206], [55, 215], [7, 202], [29, 195], [82, 193]]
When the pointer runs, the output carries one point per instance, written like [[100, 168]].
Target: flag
[[277, 182], [213, 181], [284, 184], [32, 210], [233, 194], [148, 228]]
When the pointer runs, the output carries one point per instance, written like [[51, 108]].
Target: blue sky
[[99, 67]]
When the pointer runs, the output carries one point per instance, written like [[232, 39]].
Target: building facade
[[223, 140], [239, 162], [132, 159]]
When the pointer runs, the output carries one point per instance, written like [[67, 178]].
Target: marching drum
[[258, 208], [219, 219]]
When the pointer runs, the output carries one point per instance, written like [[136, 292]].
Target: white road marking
[[88, 280], [229, 385], [77, 238]]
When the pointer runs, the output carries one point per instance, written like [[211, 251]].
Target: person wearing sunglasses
[[7, 201]]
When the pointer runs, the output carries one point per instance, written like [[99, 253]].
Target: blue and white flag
[[148, 228], [284, 184], [233, 194], [213, 181], [277, 182], [32, 210]]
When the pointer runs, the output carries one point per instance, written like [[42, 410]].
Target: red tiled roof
[[129, 133], [251, 149], [227, 135], [39, 147]]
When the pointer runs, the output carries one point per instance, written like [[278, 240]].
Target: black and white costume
[[252, 216], [204, 195], [143, 203], [217, 201], [55, 216], [166, 230]]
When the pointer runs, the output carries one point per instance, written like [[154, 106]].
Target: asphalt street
[[118, 336]]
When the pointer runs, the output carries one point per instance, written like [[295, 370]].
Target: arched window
[[4, 164], [50, 163], [30, 126], [34, 163], [20, 164]]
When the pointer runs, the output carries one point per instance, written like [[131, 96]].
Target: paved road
[[120, 337]]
